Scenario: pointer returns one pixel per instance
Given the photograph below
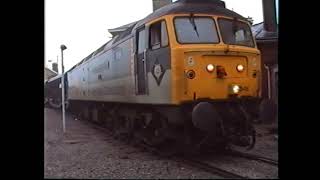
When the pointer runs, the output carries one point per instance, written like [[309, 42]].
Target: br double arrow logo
[[158, 72]]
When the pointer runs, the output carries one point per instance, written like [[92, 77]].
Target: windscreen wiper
[[234, 25], [191, 18]]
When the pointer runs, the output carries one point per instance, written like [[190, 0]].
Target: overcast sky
[[82, 25]]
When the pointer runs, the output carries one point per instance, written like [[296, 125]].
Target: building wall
[[269, 52], [274, 79], [269, 57]]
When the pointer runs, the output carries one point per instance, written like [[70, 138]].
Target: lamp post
[[57, 66], [63, 47], [49, 61]]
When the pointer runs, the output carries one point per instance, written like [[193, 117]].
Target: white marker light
[[236, 89], [240, 68], [210, 67]]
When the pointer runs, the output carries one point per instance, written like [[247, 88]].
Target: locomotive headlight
[[210, 67], [240, 68], [235, 89]]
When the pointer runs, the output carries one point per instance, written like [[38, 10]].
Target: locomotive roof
[[214, 7], [188, 6]]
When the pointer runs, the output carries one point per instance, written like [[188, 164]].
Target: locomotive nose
[[205, 117]]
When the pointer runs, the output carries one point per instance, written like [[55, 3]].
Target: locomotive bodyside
[[111, 77]]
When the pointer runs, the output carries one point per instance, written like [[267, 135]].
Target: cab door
[[158, 53], [141, 61]]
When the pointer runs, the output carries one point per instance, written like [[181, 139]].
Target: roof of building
[[50, 70], [55, 78], [260, 33]]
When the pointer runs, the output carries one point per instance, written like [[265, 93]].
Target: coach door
[[141, 75]]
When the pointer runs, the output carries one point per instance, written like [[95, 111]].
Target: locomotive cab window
[[195, 30], [158, 35], [235, 32]]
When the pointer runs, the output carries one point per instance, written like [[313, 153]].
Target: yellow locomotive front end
[[216, 74], [213, 58]]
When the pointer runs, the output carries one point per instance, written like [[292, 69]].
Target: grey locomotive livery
[[109, 75]]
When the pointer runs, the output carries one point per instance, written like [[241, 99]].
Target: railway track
[[253, 157], [195, 162], [212, 169]]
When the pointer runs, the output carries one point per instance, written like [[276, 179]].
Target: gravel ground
[[266, 142], [266, 146], [244, 167], [85, 152]]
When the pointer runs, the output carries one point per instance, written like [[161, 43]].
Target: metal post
[[58, 65], [63, 47], [269, 83]]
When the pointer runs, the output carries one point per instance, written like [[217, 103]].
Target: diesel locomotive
[[189, 72]]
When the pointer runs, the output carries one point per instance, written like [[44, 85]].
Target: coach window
[[158, 35]]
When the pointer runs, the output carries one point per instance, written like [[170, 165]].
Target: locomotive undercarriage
[[198, 124], [225, 122]]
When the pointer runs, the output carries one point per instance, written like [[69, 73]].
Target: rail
[[254, 157]]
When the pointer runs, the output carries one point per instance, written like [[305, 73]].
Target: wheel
[[154, 132]]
